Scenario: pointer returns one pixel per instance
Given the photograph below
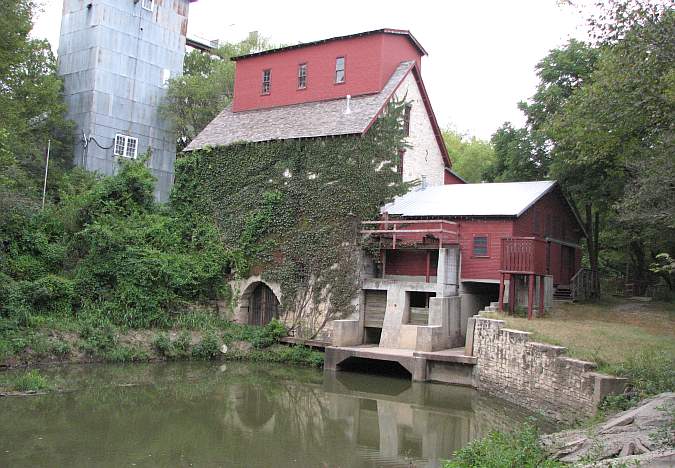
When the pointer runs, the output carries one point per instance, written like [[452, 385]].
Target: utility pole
[[44, 187]]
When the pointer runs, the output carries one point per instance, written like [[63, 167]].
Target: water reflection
[[242, 415]]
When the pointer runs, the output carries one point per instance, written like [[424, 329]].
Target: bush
[[180, 348], [208, 348], [519, 449], [30, 381], [122, 354]]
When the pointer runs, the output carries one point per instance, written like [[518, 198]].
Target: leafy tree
[[33, 110], [613, 139], [205, 88], [471, 157], [518, 157]]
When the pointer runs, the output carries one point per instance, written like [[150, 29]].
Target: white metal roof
[[499, 199]]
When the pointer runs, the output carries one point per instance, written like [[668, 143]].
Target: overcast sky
[[482, 53]]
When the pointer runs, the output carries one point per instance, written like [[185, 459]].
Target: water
[[241, 415]]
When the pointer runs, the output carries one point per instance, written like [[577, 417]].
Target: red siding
[[369, 62], [552, 217], [483, 267], [410, 262], [450, 178]]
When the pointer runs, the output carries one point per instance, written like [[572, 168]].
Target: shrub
[[30, 381], [519, 449], [122, 354], [208, 348]]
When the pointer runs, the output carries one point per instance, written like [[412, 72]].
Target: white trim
[[148, 5], [125, 146]]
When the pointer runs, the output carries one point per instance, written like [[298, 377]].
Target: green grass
[[29, 381], [517, 449]]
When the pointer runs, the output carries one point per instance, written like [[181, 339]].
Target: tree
[[613, 138], [471, 157], [518, 157], [33, 110], [205, 88]]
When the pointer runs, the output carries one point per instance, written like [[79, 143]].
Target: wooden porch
[[526, 256]]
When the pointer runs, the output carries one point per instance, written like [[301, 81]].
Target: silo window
[[126, 146], [148, 5]]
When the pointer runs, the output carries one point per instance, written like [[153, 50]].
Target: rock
[[241, 346], [223, 349], [644, 431]]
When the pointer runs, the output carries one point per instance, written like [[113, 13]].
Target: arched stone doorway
[[263, 305]]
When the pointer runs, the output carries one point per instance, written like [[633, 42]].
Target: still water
[[241, 415]]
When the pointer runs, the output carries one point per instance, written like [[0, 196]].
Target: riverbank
[[194, 335]]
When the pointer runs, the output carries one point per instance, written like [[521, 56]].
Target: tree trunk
[[592, 225]]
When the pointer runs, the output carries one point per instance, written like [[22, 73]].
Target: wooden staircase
[[562, 293]]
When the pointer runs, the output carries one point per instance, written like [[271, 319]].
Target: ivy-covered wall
[[291, 209]]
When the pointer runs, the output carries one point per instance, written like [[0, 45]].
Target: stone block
[[347, 333]]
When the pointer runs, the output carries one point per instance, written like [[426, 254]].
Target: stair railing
[[582, 284]]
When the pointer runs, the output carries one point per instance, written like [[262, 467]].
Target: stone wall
[[536, 375]]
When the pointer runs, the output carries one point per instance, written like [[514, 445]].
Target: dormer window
[[340, 70], [148, 5], [302, 76], [266, 81]]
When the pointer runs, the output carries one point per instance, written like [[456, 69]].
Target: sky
[[482, 53]]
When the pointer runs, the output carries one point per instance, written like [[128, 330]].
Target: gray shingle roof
[[306, 120]]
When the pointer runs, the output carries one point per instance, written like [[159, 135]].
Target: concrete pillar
[[397, 306], [447, 276], [447, 313]]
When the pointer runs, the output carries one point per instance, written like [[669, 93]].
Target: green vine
[[292, 209]]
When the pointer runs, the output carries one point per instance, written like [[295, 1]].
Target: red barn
[[445, 247]]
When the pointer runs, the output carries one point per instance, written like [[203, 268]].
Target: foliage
[[291, 208], [649, 373], [205, 88], [208, 348], [109, 251], [259, 337], [33, 110], [30, 381], [296, 355], [518, 157], [519, 448], [471, 157]]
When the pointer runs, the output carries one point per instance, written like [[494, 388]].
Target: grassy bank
[[627, 338], [193, 335]]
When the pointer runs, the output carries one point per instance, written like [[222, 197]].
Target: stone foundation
[[534, 375]]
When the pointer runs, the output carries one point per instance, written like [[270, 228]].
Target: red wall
[[483, 267], [450, 178], [555, 220], [410, 262], [369, 62]]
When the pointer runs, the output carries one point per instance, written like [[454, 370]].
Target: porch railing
[[524, 255], [447, 232], [582, 284]]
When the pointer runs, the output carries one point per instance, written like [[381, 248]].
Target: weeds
[[30, 381]]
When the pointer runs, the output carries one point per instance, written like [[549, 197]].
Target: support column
[[447, 275], [541, 295], [501, 292], [530, 296], [428, 273], [512, 293]]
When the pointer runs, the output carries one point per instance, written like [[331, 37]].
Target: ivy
[[292, 209]]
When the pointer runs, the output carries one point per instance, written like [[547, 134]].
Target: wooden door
[[566, 264], [264, 305]]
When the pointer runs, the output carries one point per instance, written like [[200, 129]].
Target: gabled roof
[[509, 199], [402, 32], [311, 119]]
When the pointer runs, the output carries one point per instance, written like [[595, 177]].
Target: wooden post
[[428, 265], [530, 297], [384, 262], [501, 292], [541, 295], [512, 293]]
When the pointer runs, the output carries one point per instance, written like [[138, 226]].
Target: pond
[[242, 415]]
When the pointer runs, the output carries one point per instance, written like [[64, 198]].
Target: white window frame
[[166, 76], [125, 146], [340, 69], [148, 5]]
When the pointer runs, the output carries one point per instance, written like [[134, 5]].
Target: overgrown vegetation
[[291, 209], [517, 449], [30, 381]]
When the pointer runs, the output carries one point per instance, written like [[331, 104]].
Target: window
[[126, 146], [340, 70], [166, 76], [266, 81], [148, 5], [480, 246], [406, 119], [302, 76]]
